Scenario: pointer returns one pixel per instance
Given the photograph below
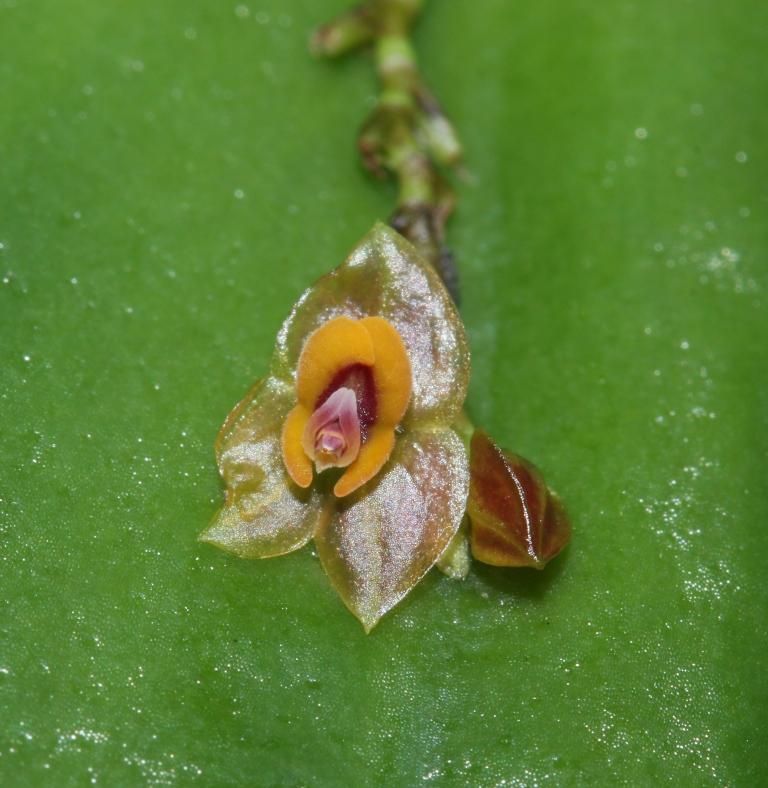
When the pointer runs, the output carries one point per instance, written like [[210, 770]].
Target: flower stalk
[[407, 135]]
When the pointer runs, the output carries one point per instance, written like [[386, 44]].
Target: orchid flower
[[351, 437]]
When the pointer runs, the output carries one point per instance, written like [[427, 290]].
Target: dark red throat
[[359, 378]]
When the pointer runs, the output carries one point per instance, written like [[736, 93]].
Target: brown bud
[[515, 519]]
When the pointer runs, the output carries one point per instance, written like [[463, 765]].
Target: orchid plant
[[357, 436]]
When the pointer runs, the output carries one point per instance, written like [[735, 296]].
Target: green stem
[[407, 135]]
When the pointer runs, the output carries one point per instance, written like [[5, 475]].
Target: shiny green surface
[[173, 175]]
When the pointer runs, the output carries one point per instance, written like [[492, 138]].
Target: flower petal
[[391, 371], [386, 276], [373, 454], [337, 344], [297, 463], [264, 514], [385, 538]]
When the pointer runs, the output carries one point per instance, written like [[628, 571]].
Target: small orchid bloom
[[350, 439], [353, 385]]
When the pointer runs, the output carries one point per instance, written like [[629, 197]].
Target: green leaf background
[[173, 175]]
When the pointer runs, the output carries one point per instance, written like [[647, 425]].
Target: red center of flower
[[359, 379]]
